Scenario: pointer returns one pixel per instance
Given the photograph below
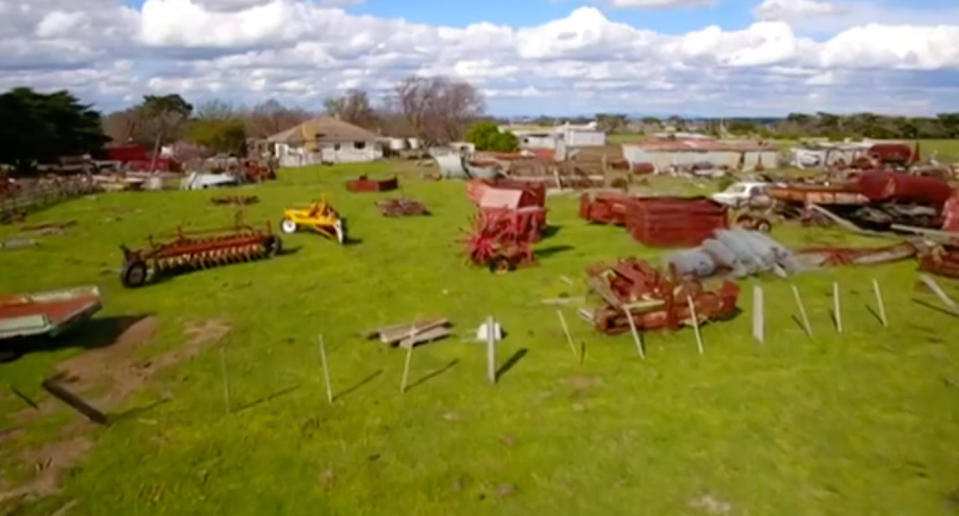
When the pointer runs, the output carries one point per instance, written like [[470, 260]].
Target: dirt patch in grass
[[113, 365], [49, 461], [117, 369]]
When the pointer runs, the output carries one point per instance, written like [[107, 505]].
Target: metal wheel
[[501, 265], [764, 226], [273, 246], [340, 228], [745, 222], [134, 274], [288, 226]]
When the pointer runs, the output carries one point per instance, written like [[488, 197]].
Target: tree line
[[43, 127], [796, 126]]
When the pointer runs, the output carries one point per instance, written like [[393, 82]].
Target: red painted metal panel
[[673, 221], [363, 184]]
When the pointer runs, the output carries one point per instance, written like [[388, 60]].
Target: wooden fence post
[[759, 318], [802, 311], [636, 338], [692, 312], [490, 350], [879, 302], [836, 308], [569, 338], [326, 370]]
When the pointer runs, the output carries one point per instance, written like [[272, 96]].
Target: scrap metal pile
[[197, 250], [234, 200], [365, 184], [402, 208], [604, 208], [657, 221], [654, 301], [875, 199]]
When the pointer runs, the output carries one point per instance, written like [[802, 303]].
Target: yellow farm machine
[[320, 216]]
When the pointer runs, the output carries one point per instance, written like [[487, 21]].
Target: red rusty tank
[[892, 153], [883, 186]]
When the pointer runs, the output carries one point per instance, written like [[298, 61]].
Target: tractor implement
[[320, 216], [197, 250]]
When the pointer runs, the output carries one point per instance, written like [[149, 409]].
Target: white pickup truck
[[742, 195]]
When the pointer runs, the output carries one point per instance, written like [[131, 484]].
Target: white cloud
[[790, 10], [656, 4], [303, 50], [60, 23], [904, 47]]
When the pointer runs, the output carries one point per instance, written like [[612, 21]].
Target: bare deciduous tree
[[271, 117], [353, 107], [438, 109]]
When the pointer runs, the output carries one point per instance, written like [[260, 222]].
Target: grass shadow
[[550, 231], [88, 334], [801, 326], [511, 363], [933, 307], [356, 387], [265, 399], [291, 250], [434, 374], [134, 412], [550, 251], [874, 314]]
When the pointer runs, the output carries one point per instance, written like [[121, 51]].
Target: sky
[[527, 57]]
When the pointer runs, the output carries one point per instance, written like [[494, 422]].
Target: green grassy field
[[861, 423]]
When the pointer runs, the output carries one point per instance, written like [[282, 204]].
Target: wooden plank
[[880, 303], [759, 317], [945, 235], [692, 312], [849, 226], [53, 386], [836, 309], [569, 338], [636, 338], [406, 368], [24, 397], [645, 306], [587, 315], [226, 384], [563, 301], [600, 287], [326, 371], [427, 336], [490, 350], [939, 292], [802, 311], [393, 334]]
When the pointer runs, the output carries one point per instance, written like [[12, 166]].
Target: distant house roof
[[324, 129], [700, 145]]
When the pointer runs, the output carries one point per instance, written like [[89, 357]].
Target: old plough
[[198, 249], [502, 238], [654, 301]]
